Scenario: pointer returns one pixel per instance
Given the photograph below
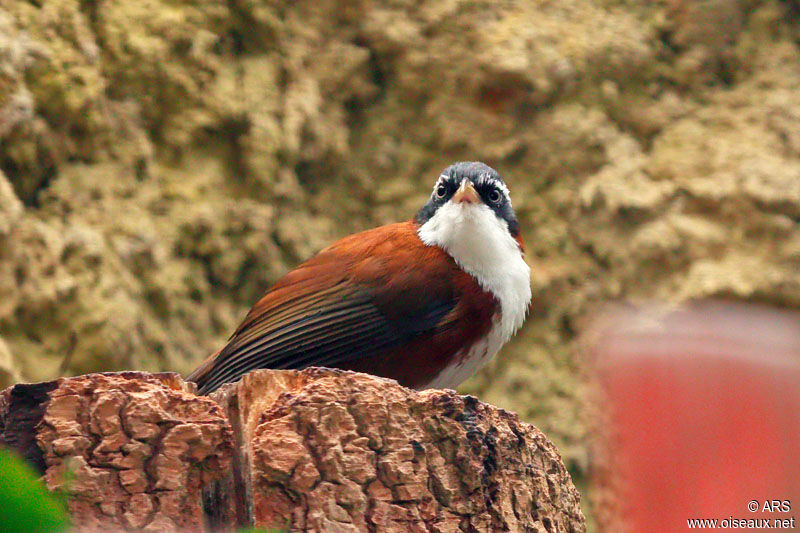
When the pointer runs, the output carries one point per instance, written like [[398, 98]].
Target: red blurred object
[[704, 414]]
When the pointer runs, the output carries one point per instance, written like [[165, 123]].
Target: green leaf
[[25, 504]]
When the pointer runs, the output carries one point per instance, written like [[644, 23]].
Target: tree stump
[[312, 450], [329, 450], [132, 451]]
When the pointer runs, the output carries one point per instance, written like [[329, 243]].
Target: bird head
[[467, 191], [469, 215]]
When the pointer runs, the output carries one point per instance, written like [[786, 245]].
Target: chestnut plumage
[[425, 302]]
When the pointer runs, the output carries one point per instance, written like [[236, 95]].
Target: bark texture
[[327, 450], [131, 450], [312, 450]]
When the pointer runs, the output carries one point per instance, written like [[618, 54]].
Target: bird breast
[[471, 359], [482, 245]]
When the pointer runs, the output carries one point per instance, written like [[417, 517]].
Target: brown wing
[[355, 301]]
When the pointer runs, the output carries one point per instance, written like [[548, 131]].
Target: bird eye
[[495, 196], [441, 191]]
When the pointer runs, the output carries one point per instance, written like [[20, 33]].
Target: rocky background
[[162, 162]]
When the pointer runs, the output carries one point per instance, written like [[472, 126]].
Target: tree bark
[[327, 450], [312, 450], [132, 451]]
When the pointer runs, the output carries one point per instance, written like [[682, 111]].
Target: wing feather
[[284, 344], [319, 341], [348, 304]]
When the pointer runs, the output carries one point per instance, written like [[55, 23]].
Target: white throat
[[481, 244]]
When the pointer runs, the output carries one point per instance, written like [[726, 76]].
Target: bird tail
[[201, 374]]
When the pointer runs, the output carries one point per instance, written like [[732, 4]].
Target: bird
[[426, 302]]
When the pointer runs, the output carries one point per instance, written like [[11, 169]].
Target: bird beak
[[466, 194]]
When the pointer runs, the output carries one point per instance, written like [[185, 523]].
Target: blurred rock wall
[[163, 161]]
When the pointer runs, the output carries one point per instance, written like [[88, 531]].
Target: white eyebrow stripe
[[439, 182], [482, 180], [486, 178]]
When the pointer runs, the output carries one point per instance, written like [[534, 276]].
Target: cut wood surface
[[312, 450]]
